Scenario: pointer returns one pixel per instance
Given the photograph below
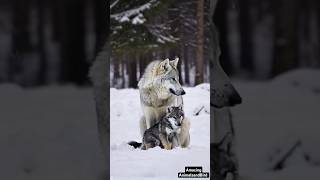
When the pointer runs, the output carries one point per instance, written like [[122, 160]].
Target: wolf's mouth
[[172, 91], [180, 93]]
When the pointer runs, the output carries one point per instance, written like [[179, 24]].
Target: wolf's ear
[[165, 64], [175, 62]]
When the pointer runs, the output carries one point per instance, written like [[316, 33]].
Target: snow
[[128, 163], [51, 132], [48, 133], [274, 115], [135, 12], [139, 19]]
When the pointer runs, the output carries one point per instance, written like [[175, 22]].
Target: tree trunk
[[186, 65], [74, 66], [101, 27], [21, 43], [132, 72], [116, 73], [123, 73], [286, 41], [221, 21], [41, 43], [246, 55], [200, 44], [56, 16]]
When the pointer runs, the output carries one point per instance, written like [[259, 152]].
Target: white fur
[[155, 95]]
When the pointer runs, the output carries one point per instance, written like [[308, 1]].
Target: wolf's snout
[[178, 92], [235, 99], [183, 92], [172, 91]]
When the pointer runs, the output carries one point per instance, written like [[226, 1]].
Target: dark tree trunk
[[56, 16], [21, 43], [286, 41], [143, 64], [123, 72], [186, 65], [246, 55], [116, 72], [132, 72], [221, 21], [41, 42], [74, 66], [101, 24], [200, 42]]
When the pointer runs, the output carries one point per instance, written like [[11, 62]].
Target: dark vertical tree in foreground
[[246, 51], [221, 21], [200, 43], [74, 66], [101, 27], [40, 5], [132, 71], [21, 44], [286, 36]]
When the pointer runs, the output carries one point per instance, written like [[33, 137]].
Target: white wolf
[[159, 89]]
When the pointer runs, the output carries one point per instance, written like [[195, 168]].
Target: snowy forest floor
[[51, 132], [135, 163]]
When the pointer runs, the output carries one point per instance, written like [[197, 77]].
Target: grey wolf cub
[[162, 133]]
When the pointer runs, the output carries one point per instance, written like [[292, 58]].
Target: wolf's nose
[[235, 99], [183, 92]]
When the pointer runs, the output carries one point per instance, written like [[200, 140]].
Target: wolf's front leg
[[143, 125], [184, 136], [164, 141], [175, 140]]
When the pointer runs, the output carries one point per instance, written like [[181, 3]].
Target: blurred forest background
[[50, 41], [54, 41], [259, 39]]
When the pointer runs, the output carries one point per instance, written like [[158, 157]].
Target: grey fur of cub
[[162, 133]]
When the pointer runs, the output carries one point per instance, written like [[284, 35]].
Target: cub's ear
[[165, 64], [175, 62]]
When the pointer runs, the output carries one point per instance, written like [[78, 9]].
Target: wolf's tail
[[135, 144]]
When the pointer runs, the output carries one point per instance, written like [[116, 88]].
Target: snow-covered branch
[[134, 14], [114, 3]]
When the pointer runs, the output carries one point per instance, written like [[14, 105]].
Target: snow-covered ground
[[128, 163], [272, 118], [50, 133]]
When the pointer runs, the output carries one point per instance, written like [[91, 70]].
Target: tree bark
[[246, 55], [116, 73], [74, 65], [186, 65], [221, 21], [200, 42], [132, 72], [41, 43], [286, 36], [21, 43], [101, 27]]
